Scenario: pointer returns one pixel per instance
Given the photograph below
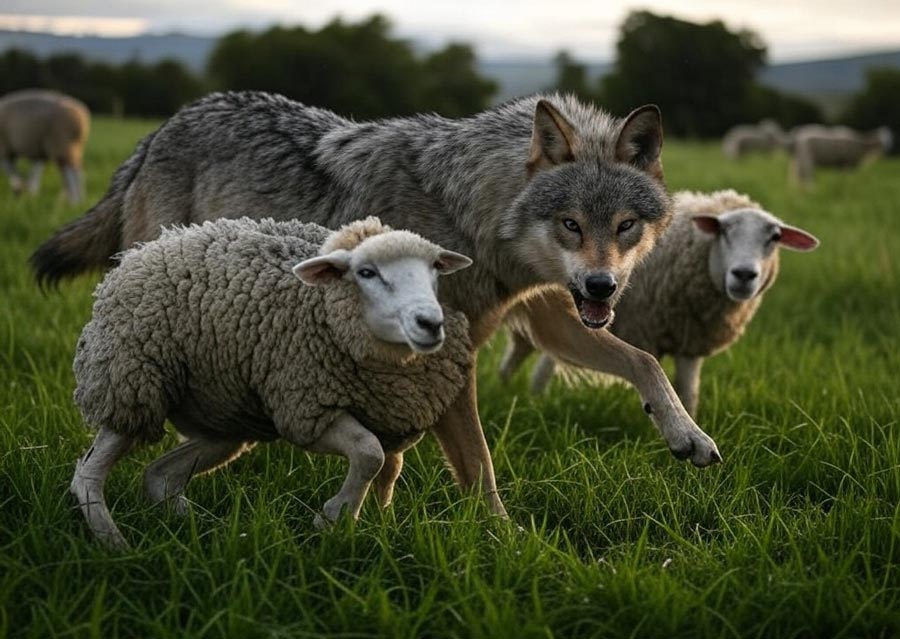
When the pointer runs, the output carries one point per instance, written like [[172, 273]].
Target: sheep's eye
[[366, 273], [624, 226], [775, 237], [572, 225]]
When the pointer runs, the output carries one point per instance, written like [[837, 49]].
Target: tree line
[[703, 76]]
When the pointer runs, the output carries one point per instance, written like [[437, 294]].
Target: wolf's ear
[[552, 139], [323, 269], [640, 140]]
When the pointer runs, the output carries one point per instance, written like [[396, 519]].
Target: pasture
[[796, 535]]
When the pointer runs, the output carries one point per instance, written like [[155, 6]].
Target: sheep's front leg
[[349, 438], [518, 348], [542, 373], [687, 382], [87, 484], [34, 178]]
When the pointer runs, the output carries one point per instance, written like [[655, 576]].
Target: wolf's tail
[[89, 242]]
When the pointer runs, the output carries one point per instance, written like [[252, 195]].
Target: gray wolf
[[43, 126], [554, 200]]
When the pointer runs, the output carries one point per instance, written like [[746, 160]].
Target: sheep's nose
[[745, 275], [429, 324], [600, 286]]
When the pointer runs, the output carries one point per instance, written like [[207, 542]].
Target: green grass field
[[796, 535]]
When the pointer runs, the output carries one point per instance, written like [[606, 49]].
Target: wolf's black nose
[[429, 324], [600, 286], [745, 275]]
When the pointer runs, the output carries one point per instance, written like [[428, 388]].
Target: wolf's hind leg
[[167, 476], [349, 438], [91, 471]]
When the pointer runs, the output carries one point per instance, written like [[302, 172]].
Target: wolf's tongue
[[595, 312]]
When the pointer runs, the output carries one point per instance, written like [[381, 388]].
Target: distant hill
[[191, 50], [828, 81]]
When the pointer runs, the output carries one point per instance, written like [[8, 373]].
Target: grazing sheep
[[43, 126], [696, 292], [209, 327], [750, 138], [815, 145]]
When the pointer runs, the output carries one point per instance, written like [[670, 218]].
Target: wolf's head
[[594, 203]]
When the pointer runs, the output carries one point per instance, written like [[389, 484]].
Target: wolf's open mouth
[[593, 314]]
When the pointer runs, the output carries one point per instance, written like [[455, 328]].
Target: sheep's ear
[[640, 140], [552, 139], [707, 223], [797, 239], [450, 262], [323, 269]]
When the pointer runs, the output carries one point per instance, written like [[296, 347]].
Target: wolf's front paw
[[696, 446]]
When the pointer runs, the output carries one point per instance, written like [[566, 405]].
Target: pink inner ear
[[797, 239], [321, 272], [706, 223]]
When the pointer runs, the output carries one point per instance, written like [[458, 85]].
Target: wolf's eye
[[572, 225], [366, 273], [624, 226]]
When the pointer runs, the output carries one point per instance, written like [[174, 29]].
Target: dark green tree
[[571, 77], [700, 75], [451, 84]]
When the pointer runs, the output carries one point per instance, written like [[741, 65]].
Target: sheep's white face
[[740, 260], [399, 293]]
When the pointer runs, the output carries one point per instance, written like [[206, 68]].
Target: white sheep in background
[[814, 145], [210, 327], [43, 126], [742, 139], [696, 292]]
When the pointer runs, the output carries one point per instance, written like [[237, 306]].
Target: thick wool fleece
[[209, 327], [672, 306]]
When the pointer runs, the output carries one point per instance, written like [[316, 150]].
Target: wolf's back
[[89, 242]]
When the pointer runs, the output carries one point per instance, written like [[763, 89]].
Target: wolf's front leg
[[349, 438], [557, 330], [461, 438]]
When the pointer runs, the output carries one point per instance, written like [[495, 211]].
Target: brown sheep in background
[[815, 145], [43, 126]]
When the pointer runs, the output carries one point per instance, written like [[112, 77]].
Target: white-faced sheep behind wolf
[[43, 126], [210, 327], [696, 292]]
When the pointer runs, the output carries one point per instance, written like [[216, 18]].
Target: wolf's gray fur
[[497, 186]]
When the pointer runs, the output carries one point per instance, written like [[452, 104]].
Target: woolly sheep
[[209, 327], [43, 126], [742, 139], [696, 292], [814, 145]]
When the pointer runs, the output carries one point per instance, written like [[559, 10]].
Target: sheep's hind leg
[[73, 180], [15, 180], [87, 484], [166, 478], [34, 177], [349, 438]]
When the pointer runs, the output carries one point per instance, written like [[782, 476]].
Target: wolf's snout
[[600, 286], [430, 324], [744, 275]]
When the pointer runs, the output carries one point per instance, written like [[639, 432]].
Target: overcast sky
[[793, 29]]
